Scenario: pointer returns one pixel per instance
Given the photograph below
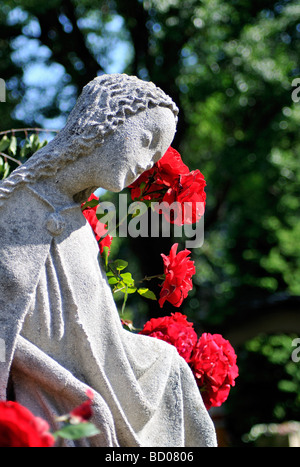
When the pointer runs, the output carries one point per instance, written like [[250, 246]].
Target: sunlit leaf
[[146, 293], [4, 143], [12, 149], [120, 264], [80, 430]]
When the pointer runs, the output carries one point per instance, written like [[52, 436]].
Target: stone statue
[[58, 318]]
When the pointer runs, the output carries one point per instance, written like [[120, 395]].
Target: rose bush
[[20, 428], [211, 358], [181, 199]]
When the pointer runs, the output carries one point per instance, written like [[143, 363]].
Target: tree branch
[[65, 44], [136, 18]]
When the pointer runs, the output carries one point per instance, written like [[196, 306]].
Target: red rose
[[170, 181], [189, 197], [98, 227], [106, 241], [20, 428], [175, 330], [84, 411], [141, 185], [213, 363], [178, 270], [90, 215], [153, 183], [170, 167]]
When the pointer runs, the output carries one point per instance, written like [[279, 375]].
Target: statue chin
[[117, 184], [83, 195]]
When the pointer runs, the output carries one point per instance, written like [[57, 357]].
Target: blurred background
[[232, 69]]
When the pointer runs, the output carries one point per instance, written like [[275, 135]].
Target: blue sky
[[43, 80]]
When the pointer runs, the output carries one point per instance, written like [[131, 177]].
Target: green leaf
[[129, 290], [127, 279], [146, 293], [142, 186], [113, 280], [80, 430], [34, 142], [4, 143], [99, 215], [4, 168], [24, 151], [91, 204], [12, 149], [119, 264]]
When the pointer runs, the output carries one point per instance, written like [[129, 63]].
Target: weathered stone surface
[[58, 319]]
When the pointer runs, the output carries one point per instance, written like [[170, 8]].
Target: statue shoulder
[[23, 219]]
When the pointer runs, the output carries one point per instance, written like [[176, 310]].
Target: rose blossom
[[175, 330], [170, 167], [171, 182], [84, 411], [188, 196], [153, 183], [213, 363], [178, 270], [20, 428]]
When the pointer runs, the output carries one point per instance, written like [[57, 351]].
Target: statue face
[[134, 147]]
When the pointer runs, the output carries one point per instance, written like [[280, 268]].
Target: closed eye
[[150, 139], [155, 139]]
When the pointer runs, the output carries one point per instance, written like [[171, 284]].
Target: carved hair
[[105, 102]]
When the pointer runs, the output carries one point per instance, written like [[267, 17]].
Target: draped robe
[[63, 334]]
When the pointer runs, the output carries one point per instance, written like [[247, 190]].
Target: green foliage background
[[230, 68]]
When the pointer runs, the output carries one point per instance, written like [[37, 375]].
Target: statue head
[[124, 123], [108, 101]]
